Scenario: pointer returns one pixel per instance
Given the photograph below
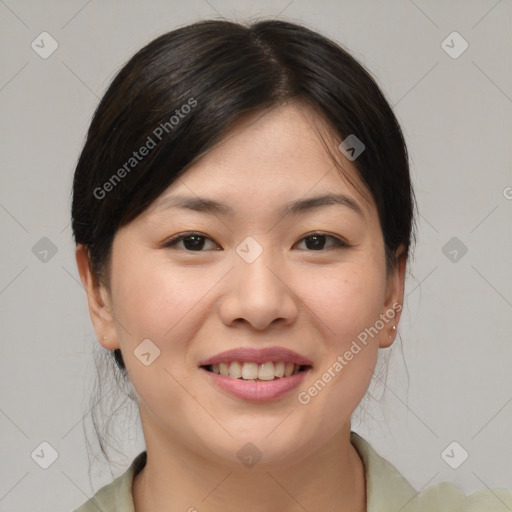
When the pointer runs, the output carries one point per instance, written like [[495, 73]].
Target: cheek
[[348, 303], [155, 300], [346, 300]]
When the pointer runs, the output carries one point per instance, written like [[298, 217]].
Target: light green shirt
[[386, 490]]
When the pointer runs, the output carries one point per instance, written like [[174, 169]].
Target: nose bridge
[[257, 281], [257, 292]]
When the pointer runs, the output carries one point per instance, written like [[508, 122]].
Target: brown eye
[[316, 241], [192, 242]]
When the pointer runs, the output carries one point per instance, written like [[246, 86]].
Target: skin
[[195, 303]]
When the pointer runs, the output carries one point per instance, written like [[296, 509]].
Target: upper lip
[[258, 355]]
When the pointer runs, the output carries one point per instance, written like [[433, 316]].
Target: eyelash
[[338, 242]]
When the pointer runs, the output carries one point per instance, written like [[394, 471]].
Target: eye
[[318, 241], [193, 242]]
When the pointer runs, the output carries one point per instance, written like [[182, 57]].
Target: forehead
[[270, 158]]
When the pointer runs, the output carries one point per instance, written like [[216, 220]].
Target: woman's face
[[254, 277]]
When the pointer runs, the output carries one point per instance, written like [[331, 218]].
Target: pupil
[[197, 242], [316, 237]]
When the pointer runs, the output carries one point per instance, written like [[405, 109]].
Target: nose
[[259, 293]]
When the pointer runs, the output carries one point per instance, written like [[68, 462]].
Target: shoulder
[[447, 496], [117, 495], [387, 489]]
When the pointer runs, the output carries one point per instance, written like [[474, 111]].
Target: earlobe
[[387, 337], [97, 297]]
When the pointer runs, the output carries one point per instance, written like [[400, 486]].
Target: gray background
[[456, 116]]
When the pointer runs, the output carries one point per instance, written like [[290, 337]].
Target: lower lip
[[259, 391]]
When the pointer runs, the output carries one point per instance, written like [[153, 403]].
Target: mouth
[[254, 372], [257, 374]]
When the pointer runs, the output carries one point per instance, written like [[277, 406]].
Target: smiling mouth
[[256, 372]]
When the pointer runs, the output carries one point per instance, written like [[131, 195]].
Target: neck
[[176, 478]]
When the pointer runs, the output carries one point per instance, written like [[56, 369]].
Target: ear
[[99, 300], [394, 299]]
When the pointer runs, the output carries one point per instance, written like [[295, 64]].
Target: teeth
[[252, 371], [279, 369], [249, 371], [223, 369], [266, 371], [235, 370], [288, 369]]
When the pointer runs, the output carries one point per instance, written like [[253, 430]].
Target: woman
[[244, 215]]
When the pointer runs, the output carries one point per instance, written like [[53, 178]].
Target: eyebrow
[[298, 207]]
